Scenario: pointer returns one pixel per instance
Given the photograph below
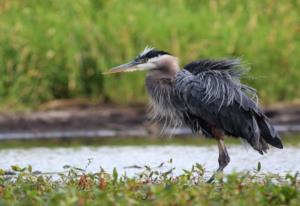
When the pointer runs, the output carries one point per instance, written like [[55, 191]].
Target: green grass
[[58, 49], [152, 186], [288, 140]]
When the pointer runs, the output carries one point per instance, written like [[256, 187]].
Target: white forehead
[[146, 50]]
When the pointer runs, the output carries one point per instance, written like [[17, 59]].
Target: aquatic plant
[[152, 186]]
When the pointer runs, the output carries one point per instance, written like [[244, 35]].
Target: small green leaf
[[29, 168], [161, 164], [258, 166], [147, 167], [16, 168], [66, 167], [79, 169], [168, 172], [186, 171], [2, 172], [115, 174], [151, 173]]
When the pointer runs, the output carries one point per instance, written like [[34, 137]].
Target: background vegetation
[[58, 49]]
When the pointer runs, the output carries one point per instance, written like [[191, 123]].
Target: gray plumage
[[215, 93], [209, 93], [206, 96]]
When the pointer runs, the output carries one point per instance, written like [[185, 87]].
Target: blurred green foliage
[[58, 49]]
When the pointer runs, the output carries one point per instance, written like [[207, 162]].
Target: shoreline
[[74, 121]]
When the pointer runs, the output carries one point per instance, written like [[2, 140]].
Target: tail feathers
[[268, 133], [264, 145], [252, 134]]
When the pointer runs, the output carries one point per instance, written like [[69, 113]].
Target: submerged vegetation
[[59, 49], [152, 186]]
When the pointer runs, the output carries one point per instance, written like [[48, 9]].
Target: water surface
[[242, 159]]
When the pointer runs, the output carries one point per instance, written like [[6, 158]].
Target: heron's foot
[[223, 160], [218, 174], [211, 179]]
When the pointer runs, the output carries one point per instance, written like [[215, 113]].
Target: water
[[121, 157]]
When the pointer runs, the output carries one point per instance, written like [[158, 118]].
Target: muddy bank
[[70, 119]]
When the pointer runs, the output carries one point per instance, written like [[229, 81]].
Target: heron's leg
[[224, 158]]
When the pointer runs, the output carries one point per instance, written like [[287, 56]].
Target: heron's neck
[[159, 81], [160, 87]]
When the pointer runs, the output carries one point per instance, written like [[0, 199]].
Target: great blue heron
[[206, 96]]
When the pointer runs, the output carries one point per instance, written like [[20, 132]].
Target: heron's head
[[149, 59]]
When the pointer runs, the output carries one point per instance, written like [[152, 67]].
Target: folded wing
[[212, 91]]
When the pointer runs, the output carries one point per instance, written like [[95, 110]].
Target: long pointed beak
[[128, 67]]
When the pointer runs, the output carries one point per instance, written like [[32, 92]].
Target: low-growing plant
[[151, 186]]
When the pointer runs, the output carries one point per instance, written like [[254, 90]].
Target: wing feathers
[[211, 90]]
